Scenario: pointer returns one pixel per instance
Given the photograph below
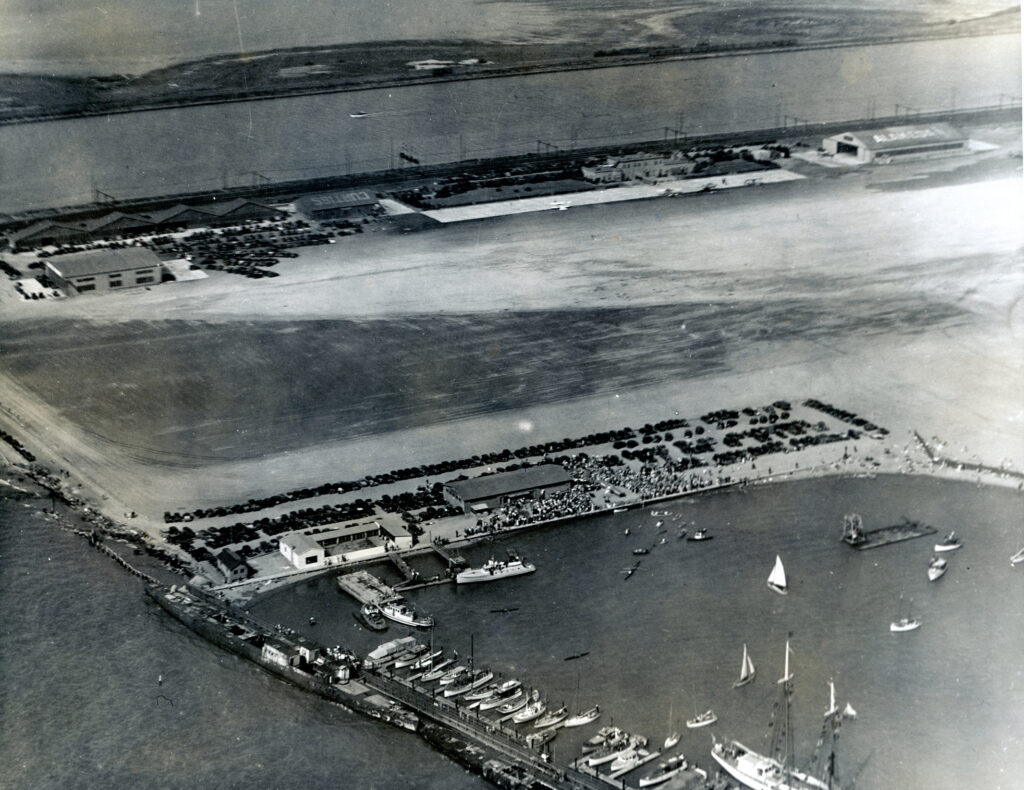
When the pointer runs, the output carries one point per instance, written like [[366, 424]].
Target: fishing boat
[[437, 670], [552, 719], [905, 622], [747, 670], [493, 569], [605, 736], [777, 578], [584, 717], [427, 661], [537, 739], [700, 534], [664, 771], [775, 771], [496, 701], [702, 719], [411, 656], [628, 760], [937, 567], [1017, 558], [401, 612], [534, 710], [950, 543], [370, 616], [452, 675], [610, 752], [516, 702]]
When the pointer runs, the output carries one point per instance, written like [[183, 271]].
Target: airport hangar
[[897, 142], [480, 494], [105, 270]]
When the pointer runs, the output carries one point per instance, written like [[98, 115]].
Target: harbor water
[[84, 653], [200, 148]]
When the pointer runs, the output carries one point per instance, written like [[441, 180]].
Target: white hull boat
[[702, 720], [400, 613], [493, 569], [937, 568], [665, 771], [951, 543], [585, 717]]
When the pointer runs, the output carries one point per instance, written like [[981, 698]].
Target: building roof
[[895, 137], [230, 559], [107, 261], [299, 543], [332, 200], [41, 228], [501, 483]]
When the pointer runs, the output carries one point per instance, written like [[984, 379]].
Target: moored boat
[[494, 702], [437, 670], [493, 569], [628, 760], [452, 675], [607, 754], [370, 616], [584, 717], [402, 613], [950, 543], [937, 568], [537, 739], [467, 682], [517, 701], [426, 661], [534, 710], [605, 736], [664, 771], [552, 719], [411, 656]]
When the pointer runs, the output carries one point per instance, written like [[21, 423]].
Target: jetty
[[862, 540]]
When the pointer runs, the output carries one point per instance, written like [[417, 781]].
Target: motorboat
[[411, 656], [552, 719], [537, 739], [584, 717], [426, 661], [664, 771], [534, 710], [607, 754], [369, 615], [702, 719], [605, 736], [452, 675], [937, 568], [904, 624], [493, 569], [700, 534], [437, 670], [747, 671], [516, 702], [950, 543], [628, 760], [401, 612], [467, 682], [494, 702], [777, 578]]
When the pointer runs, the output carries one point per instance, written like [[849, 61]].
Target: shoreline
[[230, 96]]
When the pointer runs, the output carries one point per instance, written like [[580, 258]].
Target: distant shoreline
[[625, 57]]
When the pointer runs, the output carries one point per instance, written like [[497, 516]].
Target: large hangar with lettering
[[897, 143]]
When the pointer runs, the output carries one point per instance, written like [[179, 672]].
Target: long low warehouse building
[[480, 494], [897, 142], [319, 547]]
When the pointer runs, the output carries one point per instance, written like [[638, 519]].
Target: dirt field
[[901, 304]]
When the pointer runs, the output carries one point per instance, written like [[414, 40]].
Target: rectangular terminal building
[[480, 494], [104, 270]]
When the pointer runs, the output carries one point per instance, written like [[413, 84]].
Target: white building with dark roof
[[898, 143], [104, 270], [320, 547]]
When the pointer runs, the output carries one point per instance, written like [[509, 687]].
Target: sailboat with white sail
[[777, 578], [833, 709], [673, 737], [747, 671], [1017, 558], [775, 770]]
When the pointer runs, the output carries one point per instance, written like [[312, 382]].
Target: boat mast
[[782, 733]]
